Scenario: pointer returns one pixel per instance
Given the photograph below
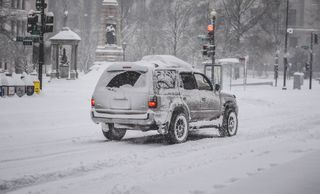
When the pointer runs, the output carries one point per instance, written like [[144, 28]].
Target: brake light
[[153, 102], [92, 102]]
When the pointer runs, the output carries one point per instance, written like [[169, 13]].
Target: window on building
[[293, 42], [1, 3], [13, 4], [18, 4], [292, 17], [12, 27], [23, 4]]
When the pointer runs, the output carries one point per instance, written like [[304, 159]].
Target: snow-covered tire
[[229, 123], [178, 129], [114, 134]]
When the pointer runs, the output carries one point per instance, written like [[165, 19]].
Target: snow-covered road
[[48, 144]]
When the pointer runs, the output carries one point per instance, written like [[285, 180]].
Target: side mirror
[[217, 87]]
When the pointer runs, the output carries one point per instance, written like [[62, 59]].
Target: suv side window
[[189, 83], [203, 82]]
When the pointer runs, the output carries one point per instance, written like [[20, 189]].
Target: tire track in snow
[[133, 159]]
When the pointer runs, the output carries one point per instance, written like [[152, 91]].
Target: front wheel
[[113, 133], [229, 124], [179, 128]]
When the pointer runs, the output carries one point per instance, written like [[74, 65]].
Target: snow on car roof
[[224, 61], [151, 62], [167, 61]]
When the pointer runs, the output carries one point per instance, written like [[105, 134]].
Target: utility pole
[[311, 61], [276, 68], [285, 58], [212, 46], [124, 46], [41, 40]]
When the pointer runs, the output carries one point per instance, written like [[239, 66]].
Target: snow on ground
[[48, 144]]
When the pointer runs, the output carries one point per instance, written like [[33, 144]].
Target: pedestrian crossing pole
[[311, 60]]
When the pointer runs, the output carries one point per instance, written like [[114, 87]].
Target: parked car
[[159, 96]]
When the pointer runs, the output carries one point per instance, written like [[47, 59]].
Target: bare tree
[[241, 16], [177, 24]]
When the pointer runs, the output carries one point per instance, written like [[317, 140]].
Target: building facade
[[304, 18], [14, 57]]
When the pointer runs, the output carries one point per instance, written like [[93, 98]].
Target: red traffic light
[[211, 28]]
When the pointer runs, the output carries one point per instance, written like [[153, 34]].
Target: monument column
[[109, 48]]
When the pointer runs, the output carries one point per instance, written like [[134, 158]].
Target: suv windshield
[[127, 79]]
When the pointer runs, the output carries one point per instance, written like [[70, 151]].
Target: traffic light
[[211, 28], [316, 39], [205, 50], [307, 67], [49, 19], [39, 5], [32, 26]]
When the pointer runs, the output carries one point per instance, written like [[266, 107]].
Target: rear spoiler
[[127, 67]]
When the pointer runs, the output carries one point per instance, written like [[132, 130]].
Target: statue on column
[[111, 34]]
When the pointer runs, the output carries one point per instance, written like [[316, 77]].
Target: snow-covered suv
[[164, 94]]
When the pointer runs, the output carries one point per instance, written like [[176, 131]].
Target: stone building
[[304, 18], [14, 57]]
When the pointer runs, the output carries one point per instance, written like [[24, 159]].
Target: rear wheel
[[229, 124], [179, 128], [113, 133]]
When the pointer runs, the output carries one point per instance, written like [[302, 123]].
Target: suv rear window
[[127, 78], [165, 79]]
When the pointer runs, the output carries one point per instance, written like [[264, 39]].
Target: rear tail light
[[92, 102], [153, 102]]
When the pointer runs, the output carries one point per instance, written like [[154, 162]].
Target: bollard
[[36, 86]]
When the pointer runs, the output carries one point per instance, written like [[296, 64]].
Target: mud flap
[[163, 128], [105, 127]]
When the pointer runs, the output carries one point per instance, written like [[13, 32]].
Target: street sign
[[27, 42], [203, 37]]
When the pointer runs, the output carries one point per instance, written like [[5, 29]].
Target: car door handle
[[203, 99]]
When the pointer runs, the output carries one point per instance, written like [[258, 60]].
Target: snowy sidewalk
[[296, 177]]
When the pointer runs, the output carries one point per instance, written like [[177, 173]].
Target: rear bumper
[[136, 120]]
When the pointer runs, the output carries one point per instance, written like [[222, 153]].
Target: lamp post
[[212, 46], [285, 58], [311, 60], [124, 45], [276, 67]]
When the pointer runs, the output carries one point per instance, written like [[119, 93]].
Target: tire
[[114, 134], [178, 129], [229, 123]]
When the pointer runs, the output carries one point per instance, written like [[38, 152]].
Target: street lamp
[[213, 13], [124, 45], [285, 58], [211, 29]]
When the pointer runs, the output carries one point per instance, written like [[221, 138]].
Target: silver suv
[[156, 95]]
